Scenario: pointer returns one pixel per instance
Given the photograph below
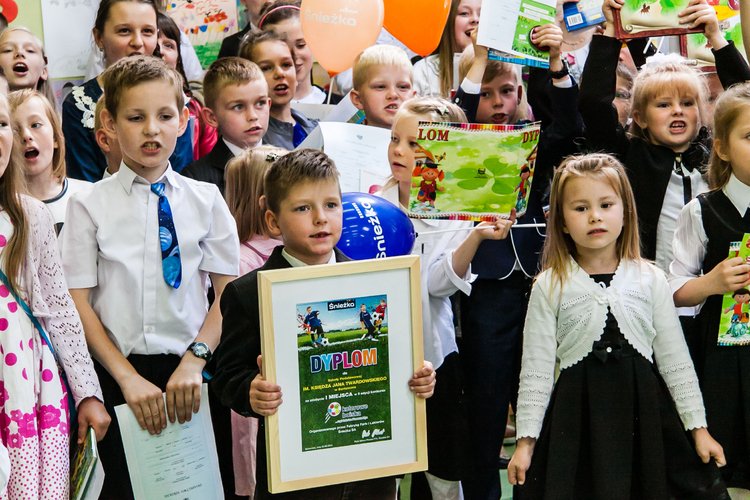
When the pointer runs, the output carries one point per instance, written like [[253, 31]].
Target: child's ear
[[520, 93], [356, 99], [210, 117], [102, 140], [184, 119], [273, 224], [637, 118], [720, 151], [108, 123]]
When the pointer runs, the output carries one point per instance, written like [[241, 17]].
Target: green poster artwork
[[532, 14], [344, 372], [698, 48], [468, 171], [734, 326], [648, 15]]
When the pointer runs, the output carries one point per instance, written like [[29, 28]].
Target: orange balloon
[[423, 36], [338, 30]]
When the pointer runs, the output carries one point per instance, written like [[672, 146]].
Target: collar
[[127, 177], [738, 193], [235, 150], [295, 262]]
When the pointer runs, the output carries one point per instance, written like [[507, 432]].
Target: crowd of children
[[134, 222]]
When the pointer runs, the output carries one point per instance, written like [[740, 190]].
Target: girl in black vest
[[701, 274]]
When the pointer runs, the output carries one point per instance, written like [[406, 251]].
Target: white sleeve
[[688, 246], [538, 362], [190, 62], [672, 357]]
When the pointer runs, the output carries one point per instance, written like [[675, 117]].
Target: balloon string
[[452, 230]]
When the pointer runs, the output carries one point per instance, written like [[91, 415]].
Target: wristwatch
[[201, 350], [562, 73]]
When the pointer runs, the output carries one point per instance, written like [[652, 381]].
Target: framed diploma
[[343, 341], [646, 18]]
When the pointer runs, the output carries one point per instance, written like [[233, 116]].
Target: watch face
[[200, 349]]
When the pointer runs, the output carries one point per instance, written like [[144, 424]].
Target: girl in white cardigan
[[611, 429]]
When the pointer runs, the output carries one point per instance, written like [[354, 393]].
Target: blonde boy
[[137, 251], [237, 104], [382, 81]]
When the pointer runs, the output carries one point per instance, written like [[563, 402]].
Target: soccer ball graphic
[[324, 341]]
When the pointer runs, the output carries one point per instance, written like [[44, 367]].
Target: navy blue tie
[[170, 248]]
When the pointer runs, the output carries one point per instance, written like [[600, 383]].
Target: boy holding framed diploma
[[303, 208]]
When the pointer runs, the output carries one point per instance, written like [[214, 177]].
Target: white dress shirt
[[690, 243], [110, 243]]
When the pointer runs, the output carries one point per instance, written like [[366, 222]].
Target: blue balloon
[[374, 228]]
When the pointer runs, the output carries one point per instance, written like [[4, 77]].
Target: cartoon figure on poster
[[734, 323], [527, 171], [427, 176], [206, 23]]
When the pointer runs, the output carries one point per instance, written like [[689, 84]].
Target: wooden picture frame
[[650, 20], [348, 413]]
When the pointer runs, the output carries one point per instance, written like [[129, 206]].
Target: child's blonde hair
[[733, 103], [559, 246], [42, 86], [228, 71], [435, 109], [12, 184], [668, 75], [244, 187], [16, 99], [378, 55]]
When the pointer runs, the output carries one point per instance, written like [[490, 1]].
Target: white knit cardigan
[[565, 324]]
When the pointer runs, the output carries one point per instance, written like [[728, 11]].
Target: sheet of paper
[[345, 111], [313, 111], [181, 462], [353, 148], [505, 25]]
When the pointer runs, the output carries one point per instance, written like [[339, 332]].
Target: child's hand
[[480, 51], [521, 461], [479, 63], [698, 13], [707, 447], [728, 276], [548, 36], [146, 402], [497, 230], [265, 397], [422, 383], [607, 8], [184, 389], [91, 413]]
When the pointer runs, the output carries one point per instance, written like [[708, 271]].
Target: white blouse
[[564, 324]]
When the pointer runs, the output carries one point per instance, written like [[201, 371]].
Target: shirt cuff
[[471, 87], [463, 283]]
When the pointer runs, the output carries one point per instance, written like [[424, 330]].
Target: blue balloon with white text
[[374, 228]]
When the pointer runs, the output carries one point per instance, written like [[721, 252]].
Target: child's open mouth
[[281, 88], [31, 153], [678, 126], [392, 107], [499, 118], [20, 69], [320, 235], [151, 147], [597, 231]]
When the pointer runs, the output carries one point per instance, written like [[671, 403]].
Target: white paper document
[[354, 149], [180, 463]]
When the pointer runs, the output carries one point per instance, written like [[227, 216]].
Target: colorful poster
[[344, 372], [642, 18], [506, 25], [469, 171], [206, 23], [698, 48], [734, 323]]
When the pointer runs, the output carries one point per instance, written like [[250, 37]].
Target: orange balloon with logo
[[418, 24], [338, 30]]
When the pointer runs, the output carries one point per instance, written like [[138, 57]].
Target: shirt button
[[609, 349]]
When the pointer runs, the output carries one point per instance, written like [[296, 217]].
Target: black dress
[[612, 431]]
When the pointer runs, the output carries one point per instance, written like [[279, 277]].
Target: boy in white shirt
[[137, 255]]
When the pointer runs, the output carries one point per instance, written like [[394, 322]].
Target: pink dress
[[34, 413], [253, 254]]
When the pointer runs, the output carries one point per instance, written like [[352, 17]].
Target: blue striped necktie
[[170, 248]]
